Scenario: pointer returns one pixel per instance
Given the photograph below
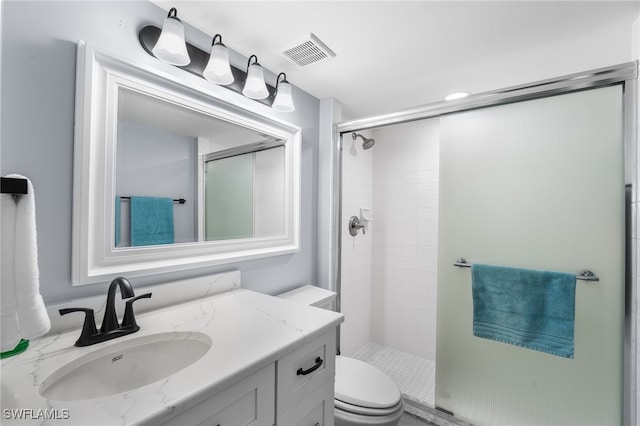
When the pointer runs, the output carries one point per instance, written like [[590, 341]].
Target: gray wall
[[37, 114], [153, 162]]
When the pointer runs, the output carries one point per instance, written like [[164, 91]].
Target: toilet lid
[[362, 384]]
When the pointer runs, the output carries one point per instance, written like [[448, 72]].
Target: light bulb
[[254, 86], [218, 69], [171, 46], [283, 101]]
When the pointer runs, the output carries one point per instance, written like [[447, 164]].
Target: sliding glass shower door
[[536, 184]]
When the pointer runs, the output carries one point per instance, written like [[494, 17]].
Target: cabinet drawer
[[305, 369], [314, 410], [247, 402]]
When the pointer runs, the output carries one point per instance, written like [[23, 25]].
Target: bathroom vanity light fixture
[[254, 85], [456, 95], [283, 101], [218, 69], [171, 46]]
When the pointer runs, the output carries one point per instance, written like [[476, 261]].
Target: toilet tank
[[312, 296]]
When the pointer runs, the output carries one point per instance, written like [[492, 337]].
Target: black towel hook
[[14, 186]]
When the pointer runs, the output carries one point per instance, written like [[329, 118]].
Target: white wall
[[38, 60], [356, 276], [405, 237], [268, 192]]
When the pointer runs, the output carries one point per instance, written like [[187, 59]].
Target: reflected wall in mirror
[[183, 176], [172, 177]]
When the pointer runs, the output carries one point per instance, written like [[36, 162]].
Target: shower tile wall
[[357, 188], [405, 237]]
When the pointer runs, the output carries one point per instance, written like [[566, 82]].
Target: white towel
[[23, 311], [9, 336]]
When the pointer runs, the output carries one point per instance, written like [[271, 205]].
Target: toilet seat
[[361, 388], [365, 411]]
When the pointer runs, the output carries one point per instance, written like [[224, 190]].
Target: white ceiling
[[393, 55], [179, 119]]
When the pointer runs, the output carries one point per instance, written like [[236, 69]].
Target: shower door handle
[[355, 226]]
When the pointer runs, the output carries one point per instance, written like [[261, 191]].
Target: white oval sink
[[125, 366]]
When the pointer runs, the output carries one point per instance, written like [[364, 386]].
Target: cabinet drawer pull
[[302, 372]]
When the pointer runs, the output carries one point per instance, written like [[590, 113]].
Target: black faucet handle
[[88, 328], [129, 319]]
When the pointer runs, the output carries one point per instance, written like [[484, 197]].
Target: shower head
[[366, 143]]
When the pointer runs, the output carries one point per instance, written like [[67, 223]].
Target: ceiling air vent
[[308, 50]]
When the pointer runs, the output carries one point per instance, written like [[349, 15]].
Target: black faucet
[[110, 320], [110, 328]]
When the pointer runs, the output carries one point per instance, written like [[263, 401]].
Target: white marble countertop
[[249, 330]]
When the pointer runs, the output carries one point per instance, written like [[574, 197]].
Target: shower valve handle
[[355, 226]]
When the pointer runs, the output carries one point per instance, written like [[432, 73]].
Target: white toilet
[[364, 395]]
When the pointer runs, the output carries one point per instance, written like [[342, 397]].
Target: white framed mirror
[[170, 177]]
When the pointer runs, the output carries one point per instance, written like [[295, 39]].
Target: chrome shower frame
[[625, 74]]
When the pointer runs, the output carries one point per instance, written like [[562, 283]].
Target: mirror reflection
[[183, 176]]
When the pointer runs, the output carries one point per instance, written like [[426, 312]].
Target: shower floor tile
[[414, 376]]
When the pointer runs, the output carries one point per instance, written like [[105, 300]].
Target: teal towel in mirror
[[151, 221], [525, 307], [118, 222]]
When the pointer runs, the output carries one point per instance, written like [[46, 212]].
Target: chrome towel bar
[[585, 275], [175, 200]]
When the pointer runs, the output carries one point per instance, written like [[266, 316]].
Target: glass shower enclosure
[[531, 177]]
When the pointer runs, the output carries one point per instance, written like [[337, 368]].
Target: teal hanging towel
[[525, 307], [118, 222], [151, 221]]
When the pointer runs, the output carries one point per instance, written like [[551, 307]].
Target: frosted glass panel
[[229, 198], [536, 184]]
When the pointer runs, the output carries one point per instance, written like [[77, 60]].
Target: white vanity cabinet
[[315, 410], [251, 401], [271, 362], [296, 390], [306, 379]]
